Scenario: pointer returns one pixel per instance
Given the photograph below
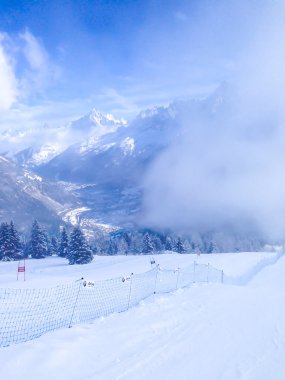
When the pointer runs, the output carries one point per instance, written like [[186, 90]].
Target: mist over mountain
[[183, 168], [105, 159], [36, 146]]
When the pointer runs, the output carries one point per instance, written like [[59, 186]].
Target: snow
[[128, 145], [73, 216], [45, 153], [76, 216], [209, 331], [150, 112], [32, 176], [3, 159], [54, 270], [100, 119]]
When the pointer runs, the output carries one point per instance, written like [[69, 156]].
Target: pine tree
[[112, 248], [136, 243], [180, 246], [147, 244], [212, 247], [122, 246], [79, 252], [16, 246], [48, 243], [63, 246], [168, 244], [38, 243], [157, 244], [127, 239], [4, 240], [54, 246], [10, 247]]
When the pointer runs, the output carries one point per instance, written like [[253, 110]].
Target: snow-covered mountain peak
[[94, 125], [150, 112], [97, 118], [102, 119]]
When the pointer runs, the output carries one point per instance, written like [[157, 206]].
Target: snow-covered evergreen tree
[[79, 252], [147, 244], [168, 244], [38, 243], [10, 246], [127, 239], [136, 243], [63, 246], [122, 246], [211, 247], [4, 240], [180, 246], [157, 243], [187, 245], [112, 247], [48, 243], [16, 246], [54, 246]]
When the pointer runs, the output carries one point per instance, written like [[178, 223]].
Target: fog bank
[[226, 171]]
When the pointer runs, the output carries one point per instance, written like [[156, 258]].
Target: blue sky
[[60, 58]]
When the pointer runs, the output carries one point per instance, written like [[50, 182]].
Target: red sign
[[21, 269]]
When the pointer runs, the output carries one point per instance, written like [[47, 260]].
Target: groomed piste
[[236, 328]]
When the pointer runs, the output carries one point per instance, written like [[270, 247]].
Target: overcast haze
[[227, 172]]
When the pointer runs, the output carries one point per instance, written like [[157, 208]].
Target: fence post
[[75, 303], [194, 272], [157, 270], [222, 277], [130, 292], [178, 271], [208, 267]]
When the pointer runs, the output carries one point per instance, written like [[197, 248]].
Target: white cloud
[[41, 72], [34, 52], [26, 69], [8, 81]]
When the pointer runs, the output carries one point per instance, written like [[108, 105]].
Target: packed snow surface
[[205, 332]]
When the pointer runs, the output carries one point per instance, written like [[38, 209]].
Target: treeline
[[145, 242], [73, 246], [40, 245]]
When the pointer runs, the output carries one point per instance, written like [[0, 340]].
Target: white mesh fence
[[26, 314]]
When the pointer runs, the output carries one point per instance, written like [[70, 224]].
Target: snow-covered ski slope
[[26, 314], [210, 331]]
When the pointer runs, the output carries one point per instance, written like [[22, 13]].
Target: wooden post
[[178, 271], [130, 292]]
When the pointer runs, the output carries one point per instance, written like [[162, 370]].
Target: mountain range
[[91, 170]]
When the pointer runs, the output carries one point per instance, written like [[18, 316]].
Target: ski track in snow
[[205, 332]]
